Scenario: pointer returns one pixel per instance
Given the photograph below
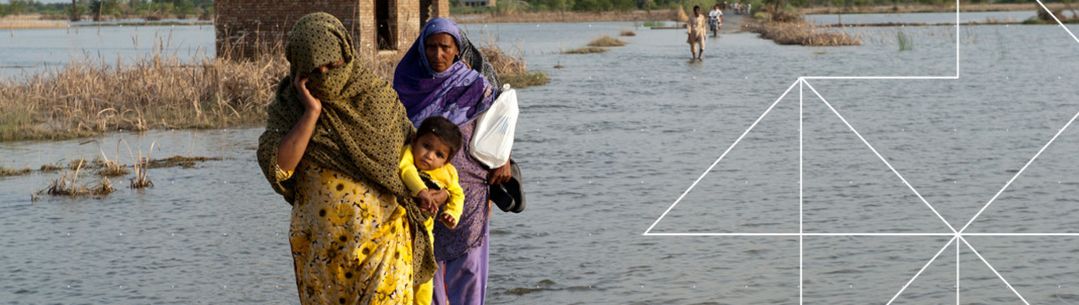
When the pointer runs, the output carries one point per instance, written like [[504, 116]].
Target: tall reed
[[904, 41], [90, 96]]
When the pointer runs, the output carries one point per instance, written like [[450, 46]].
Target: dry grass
[[585, 50], [606, 41], [627, 33], [141, 179], [88, 97], [524, 80], [512, 69], [22, 22], [110, 168], [78, 163], [7, 172], [48, 168], [178, 161], [802, 33], [67, 185]]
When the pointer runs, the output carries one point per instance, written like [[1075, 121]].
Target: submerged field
[[606, 147]]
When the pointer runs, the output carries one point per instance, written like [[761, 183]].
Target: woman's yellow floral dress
[[350, 242]]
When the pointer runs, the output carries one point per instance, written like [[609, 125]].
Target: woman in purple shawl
[[433, 79]]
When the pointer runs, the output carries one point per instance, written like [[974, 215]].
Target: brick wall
[[407, 12], [244, 27]]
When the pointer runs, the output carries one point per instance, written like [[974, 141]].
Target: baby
[[425, 165]]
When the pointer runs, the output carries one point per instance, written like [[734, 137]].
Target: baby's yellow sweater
[[445, 177]]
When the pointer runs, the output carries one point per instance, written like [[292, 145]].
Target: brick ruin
[[244, 27]]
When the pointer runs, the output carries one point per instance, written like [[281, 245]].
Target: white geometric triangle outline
[[801, 83], [957, 235], [1036, 155], [879, 156], [926, 266], [959, 243], [721, 156]]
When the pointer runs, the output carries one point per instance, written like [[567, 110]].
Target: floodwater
[[612, 142], [930, 18], [24, 52]]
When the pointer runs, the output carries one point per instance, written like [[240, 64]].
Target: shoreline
[[36, 22], [671, 14], [921, 8], [566, 17]]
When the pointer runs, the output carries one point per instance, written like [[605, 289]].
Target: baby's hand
[[447, 220], [427, 201]]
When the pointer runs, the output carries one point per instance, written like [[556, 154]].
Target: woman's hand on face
[[310, 103], [500, 175]]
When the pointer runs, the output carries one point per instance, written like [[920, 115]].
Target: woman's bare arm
[[294, 144]]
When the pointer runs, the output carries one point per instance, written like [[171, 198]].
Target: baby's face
[[429, 152]]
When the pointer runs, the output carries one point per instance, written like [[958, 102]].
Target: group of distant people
[[739, 8]]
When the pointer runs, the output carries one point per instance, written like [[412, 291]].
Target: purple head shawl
[[456, 94]]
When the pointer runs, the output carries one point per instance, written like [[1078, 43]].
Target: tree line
[[111, 9]]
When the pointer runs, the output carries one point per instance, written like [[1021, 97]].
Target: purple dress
[[459, 94], [462, 253]]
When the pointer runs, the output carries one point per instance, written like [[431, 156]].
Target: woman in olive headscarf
[[331, 147], [443, 74]]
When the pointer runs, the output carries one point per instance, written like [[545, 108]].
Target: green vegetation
[[905, 42], [585, 50], [1045, 17], [606, 41], [5, 172], [175, 161], [512, 69], [525, 79]]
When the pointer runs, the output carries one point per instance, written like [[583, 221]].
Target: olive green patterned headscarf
[[360, 131]]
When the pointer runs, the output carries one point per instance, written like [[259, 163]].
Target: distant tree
[[560, 5], [593, 5], [183, 8], [648, 5], [102, 8], [624, 5], [16, 7], [76, 13]]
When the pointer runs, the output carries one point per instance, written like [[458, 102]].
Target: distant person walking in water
[[696, 30]]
